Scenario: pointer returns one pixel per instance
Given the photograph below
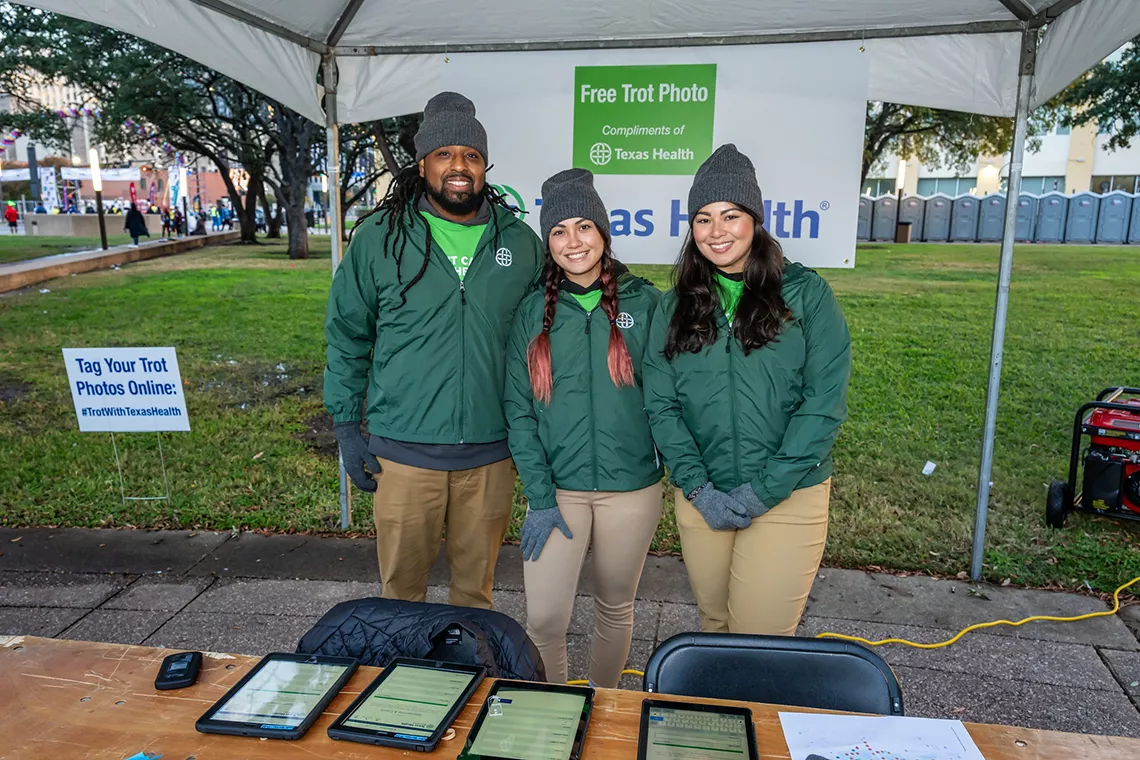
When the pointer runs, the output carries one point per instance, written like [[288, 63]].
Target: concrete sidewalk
[[253, 593], [20, 274]]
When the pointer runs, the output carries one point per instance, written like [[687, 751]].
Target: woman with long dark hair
[[746, 378], [578, 431]]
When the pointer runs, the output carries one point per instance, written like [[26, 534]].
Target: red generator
[[1111, 482]]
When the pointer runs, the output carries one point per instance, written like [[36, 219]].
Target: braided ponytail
[[617, 358], [538, 353]]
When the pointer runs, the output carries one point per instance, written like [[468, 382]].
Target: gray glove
[[748, 499], [537, 527], [354, 452], [721, 511]]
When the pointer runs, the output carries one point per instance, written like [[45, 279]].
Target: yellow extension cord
[[960, 634], [991, 624]]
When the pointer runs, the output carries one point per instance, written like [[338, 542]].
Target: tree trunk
[[239, 207], [272, 218], [298, 230], [247, 212]]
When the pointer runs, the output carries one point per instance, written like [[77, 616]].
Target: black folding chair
[[821, 673]]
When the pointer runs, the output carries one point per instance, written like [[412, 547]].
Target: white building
[[1069, 161], [55, 97]]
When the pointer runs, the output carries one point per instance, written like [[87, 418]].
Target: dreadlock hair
[[618, 360], [398, 209], [761, 314]]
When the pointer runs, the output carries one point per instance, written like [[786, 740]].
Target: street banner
[[16, 175], [134, 194], [126, 390], [49, 189], [644, 120], [108, 175], [174, 186]]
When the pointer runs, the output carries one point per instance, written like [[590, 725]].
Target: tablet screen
[[410, 702], [679, 734], [530, 725], [281, 694]]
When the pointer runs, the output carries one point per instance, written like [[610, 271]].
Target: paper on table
[[856, 737]]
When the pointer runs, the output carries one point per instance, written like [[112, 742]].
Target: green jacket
[[434, 367], [593, 436], [769, 418]]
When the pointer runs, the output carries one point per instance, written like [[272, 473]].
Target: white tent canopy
[[980, 56], [954, 54]]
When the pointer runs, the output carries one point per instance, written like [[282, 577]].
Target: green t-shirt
[[458, 241], [589, 301], [730, 291]]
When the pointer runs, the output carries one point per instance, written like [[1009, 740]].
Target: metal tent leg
[[332, 164], [1005, 271]]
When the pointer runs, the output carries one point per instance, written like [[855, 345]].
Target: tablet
[[280, 698], [686, 731], [410, 705], [530, 721]]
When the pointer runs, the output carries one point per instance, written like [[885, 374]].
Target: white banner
[[126, 390], [15, 175], [172, 186], [49, 190], [84, 173], [644, 120]]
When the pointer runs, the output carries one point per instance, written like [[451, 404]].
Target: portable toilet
[[991, 218], [884, 218], [863, 229], [1081, 224], [1112, 223], [936, 227], [1052, 210], [913, 210], [1026, 217], [964, 219], [1134, 228]]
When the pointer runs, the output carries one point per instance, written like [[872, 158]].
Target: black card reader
[[178, 671]]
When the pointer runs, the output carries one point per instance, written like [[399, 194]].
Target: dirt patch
[[246, 384], [318, 435], [10, 390]]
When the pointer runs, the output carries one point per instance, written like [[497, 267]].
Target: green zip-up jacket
[[434, 367], [769, 418], [593, 436]]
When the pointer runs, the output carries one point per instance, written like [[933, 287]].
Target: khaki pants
[[756, 580], [411, 507], [619, 525]]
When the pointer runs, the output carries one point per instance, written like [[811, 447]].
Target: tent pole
[[1005, 271], [332, 169]]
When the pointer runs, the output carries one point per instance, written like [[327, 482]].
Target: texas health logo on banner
[[126, 390], [643, 121]]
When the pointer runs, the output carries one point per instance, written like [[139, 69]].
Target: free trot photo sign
[[643, 119], [126, 390]]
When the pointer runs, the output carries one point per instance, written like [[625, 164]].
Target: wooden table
[[74, 699]]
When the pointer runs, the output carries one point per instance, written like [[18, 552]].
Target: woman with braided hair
[[418, 317], [578, 431]]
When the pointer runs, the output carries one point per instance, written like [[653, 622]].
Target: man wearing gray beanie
[[417, 324]]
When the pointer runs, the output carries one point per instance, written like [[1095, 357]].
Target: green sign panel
[[643, 119]]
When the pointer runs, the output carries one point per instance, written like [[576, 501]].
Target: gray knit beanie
[[727, 175], [570, 194], [449, 119]]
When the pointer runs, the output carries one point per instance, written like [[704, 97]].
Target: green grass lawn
[[248, 324], [20, 247]]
